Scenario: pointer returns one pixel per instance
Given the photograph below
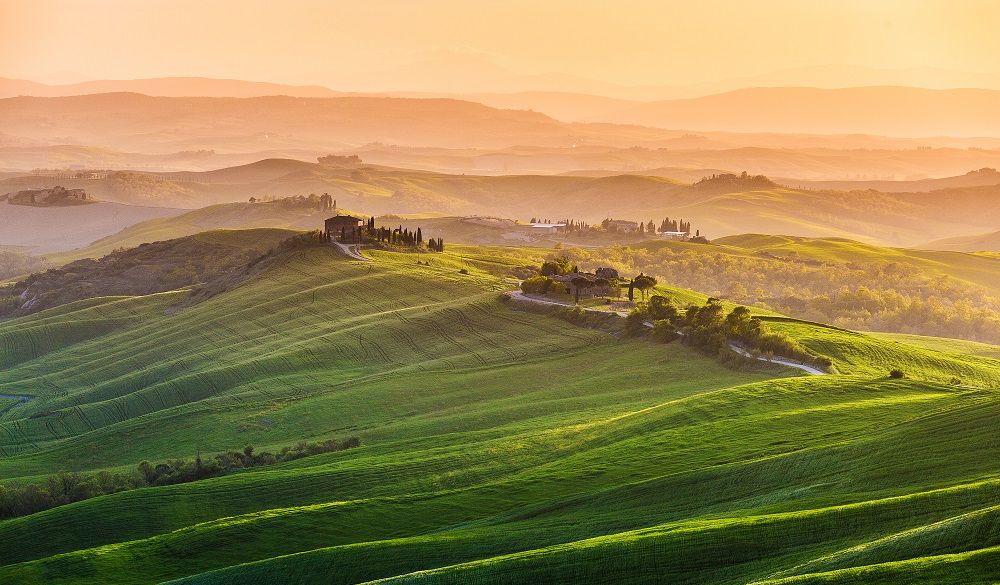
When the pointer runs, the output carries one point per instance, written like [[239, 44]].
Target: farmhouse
[[344, 228], [589, 285]]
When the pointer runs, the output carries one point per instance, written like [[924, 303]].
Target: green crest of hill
[[149, 268]]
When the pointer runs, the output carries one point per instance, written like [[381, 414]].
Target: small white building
[[547, 228], [674, 235]]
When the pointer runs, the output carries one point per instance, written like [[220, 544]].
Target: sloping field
[[497, 446], [974, 268]]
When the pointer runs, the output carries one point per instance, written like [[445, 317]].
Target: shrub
[[556, 266], [635, 323], [896, 374], [537, 285], [664, 330]]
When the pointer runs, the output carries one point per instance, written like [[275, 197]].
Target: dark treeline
[[572, 225], [711, 329], [613, 226], [68, 487], [400, 236], [322, 202], [674, 225], [743, 180]]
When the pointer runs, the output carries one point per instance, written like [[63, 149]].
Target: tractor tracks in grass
[[18, 399]]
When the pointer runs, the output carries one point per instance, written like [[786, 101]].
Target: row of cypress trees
[[401, 236]]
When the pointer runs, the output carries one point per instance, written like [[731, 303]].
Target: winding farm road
[[779, 360], [519, 295], [351, 251]]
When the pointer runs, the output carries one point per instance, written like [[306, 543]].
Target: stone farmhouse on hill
[[344, 228]]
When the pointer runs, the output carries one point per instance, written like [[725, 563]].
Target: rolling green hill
[[207, 257], [497, 446], [981, 270]]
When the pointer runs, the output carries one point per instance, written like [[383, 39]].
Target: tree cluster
[[572, 225], [743, 180], [710, 328], [324, 202], [675, 225], [874, 296], [557, 267], [540, 285], [400, 236], [68, 487]]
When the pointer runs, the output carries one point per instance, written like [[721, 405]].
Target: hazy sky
[[349, 45]]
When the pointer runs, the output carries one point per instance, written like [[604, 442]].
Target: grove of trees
[[876, 296]]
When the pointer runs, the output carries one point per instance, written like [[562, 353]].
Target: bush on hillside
[[896, 374], [538, 285], [635, 323], [664, 330]]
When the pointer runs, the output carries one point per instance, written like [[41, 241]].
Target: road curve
[[351, 251], [779, 360]]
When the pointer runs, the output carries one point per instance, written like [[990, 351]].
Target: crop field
[[497, 446]]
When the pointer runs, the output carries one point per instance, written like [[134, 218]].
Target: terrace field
[[497, 446]]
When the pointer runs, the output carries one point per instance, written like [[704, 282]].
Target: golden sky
[[476, 44]]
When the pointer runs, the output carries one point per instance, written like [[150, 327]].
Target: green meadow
[[497, 445]]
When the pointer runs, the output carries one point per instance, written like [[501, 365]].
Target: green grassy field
[[498, 446]]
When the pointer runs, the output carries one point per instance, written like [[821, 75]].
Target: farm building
[[344, 228], [547, 228], [683, 236]]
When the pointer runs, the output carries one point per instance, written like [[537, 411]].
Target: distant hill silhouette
[[989, 242], [132, 121], [165, 86], [890, 111], [978, 178], [727, 205]]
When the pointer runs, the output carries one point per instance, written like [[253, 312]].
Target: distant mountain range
[[164, 86], [978, 178], [887, 111], [138, 122], [901, 111]]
